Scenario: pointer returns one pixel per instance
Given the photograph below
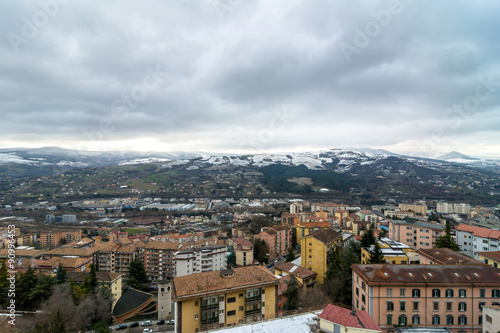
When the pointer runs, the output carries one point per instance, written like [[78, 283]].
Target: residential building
[[243, 251], [198, 260], [159, 260], [490, 258], [394, 252], [472, 239], [278, 239], [336, 319], [296, 207], [415, 233], [311, 225], [491, 319], [112, 280], [25, 239], [400, 215], [444, 256], [425, 295], [450, 208], [55, 238], [419, 209], [69, 264], [316, 248], [305, 277], [115, 257], [287, 218], [328, 206], [230, 297]]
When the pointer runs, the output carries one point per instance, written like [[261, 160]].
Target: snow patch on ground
[[295, 324], [143, 161]]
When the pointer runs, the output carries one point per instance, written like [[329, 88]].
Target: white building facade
[[205, 259]]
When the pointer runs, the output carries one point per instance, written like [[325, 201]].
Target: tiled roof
[[162, 245], [326, 235], [479, 231], [65, 262], [101, 276], [295, 270], [494, 255], [201, 283], [242, 241], [22, 253], [349, 318], [279, 227], [447, 257], [428, 274]]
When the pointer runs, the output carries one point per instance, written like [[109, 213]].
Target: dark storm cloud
[[216, 75]]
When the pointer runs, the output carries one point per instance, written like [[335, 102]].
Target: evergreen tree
[[376, 255], [57, 324], [25, 283], [446, 241], [61, 276], [4, 283], [292, 294], [368, 238], [137, 275], [290, 256], [93, 282]]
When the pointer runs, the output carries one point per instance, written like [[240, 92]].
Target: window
[[462, 320], [415, 292], [436, 320], [415, 306], [449, 306], [495, 293], [240, 295], [482, 293], [363, 285], [436, 293], [415, 320], [389, 292], [231, 313], [363, 298], [462, 293], [357, 291], [402, 320], [449, 293], [449, 320], [390, 306], [462, 306], [402, 292], [488, 319], [231, 300], [389, 319], [481, 304], [196, 303], [435, 306], [402, 306], [480, 320], [195, 317]]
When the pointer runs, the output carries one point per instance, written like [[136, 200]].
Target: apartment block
[[419, 209], [278, 238], [328, 206], [426, 295], [159, 260], [114, 257], [394, 252], [211, 300], [307, 227], [450, 208], [54, 238], [243, 251], [316, 248], [474, 239], [415, 233], [490, 258], [199, 260]]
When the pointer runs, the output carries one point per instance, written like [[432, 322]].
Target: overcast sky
[[245, 76]]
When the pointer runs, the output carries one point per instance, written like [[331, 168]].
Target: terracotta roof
[[70, 251], [202, 283], [447, 257], [65, 262], [494, 255], [162, 245], [428, 274], [349, 318], [22, 253], [295, 270], [241, 241], [101, 276], [479, 231], [270, 231], [326, 235], [279, 227]]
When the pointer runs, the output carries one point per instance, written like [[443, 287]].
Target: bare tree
[[59, 310], [312, 297]]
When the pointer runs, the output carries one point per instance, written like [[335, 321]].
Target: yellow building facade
[[211, 300], [315, 249], [396, 253]]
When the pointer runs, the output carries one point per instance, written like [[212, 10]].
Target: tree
[[368, 238], [292, 294], [24, 286], [376, 255], [260, 250], [93, 282], [4, 282], [382, 233], [290, 256], [61, 276], [137, 275], [446, 241], [313, 296], [294, 237]]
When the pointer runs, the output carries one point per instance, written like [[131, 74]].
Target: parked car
[[170, 322], [134, 324], [147, 323], [121, 327], [160, 322], [147, 330]]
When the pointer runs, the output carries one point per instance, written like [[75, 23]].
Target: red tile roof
[[479, 231], [349, 318]]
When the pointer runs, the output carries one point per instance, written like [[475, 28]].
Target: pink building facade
[[278, 238], [414, 233], [449, 296]]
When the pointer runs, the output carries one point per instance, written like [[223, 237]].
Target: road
[[139, 329]]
